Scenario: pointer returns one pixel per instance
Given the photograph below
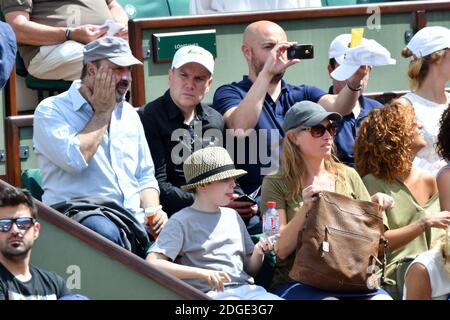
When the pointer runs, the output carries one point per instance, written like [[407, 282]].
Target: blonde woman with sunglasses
[[308, 167]]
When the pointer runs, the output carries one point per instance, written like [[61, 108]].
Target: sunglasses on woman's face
[[21, 223], [319, 130]]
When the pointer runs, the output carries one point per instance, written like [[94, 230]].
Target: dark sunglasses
[[21, 223], [319, 130]]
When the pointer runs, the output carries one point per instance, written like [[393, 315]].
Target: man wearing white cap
[[348, 126], [90, 142], [177, 122]]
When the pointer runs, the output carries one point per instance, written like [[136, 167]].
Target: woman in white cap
[[307, 167], [384, 151], [428, 72]]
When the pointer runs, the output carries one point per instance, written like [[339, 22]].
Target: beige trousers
[[59, 61]]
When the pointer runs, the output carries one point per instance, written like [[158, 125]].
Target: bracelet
[[423, 225], [152, 210], [68, 33], [358, 88]]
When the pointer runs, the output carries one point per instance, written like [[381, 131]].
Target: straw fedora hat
[[209, 165]]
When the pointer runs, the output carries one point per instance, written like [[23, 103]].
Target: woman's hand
[[309, 192], [386, 202]]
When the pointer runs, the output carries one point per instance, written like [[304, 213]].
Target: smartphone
[[245, 198], [300, 51]]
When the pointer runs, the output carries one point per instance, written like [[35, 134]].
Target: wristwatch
[[68, 33]]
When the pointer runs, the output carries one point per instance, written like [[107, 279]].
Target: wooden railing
[[114, 251], [136, 27], [12, 140]]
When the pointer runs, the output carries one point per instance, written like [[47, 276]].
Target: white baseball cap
[[429, 40], [195, 54], [370, 53], [339, 45]]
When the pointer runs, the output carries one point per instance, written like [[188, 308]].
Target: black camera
[[300, 51]]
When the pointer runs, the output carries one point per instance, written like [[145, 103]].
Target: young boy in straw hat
[[206, 244]]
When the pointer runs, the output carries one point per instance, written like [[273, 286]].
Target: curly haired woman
[[443, 149], [385, 148], [428, 72]]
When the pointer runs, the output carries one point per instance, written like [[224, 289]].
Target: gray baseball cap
[[114, 49], [307, 114]]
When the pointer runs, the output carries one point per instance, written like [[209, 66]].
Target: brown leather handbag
[[339, 245]]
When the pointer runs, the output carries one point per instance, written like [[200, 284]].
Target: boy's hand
[[216, 279], [265, 245]]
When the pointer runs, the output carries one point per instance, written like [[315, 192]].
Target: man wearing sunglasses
[[18, 231]]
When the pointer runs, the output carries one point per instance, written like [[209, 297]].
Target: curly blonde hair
[[384, 143], [419, 67]]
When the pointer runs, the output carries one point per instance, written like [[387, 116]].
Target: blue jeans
[[299, 291], [104, 227]]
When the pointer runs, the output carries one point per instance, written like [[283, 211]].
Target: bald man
[[262, 98]]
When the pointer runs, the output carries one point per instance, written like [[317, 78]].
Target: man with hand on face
[[19, 280], [90, 142]]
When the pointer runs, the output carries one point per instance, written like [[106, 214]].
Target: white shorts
[[243, 292]]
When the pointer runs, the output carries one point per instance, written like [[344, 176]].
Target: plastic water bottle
[[271, 221]]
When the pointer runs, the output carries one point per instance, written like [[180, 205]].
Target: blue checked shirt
[[121, 167]]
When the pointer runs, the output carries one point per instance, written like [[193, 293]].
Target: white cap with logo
[[339, 45], [370, 53], [429, 40], [195, 54]]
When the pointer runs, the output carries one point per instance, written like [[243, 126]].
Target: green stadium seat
[[179, 7], [52, 87], [32, 181], [350, 2], [145, 8], [338, 2]]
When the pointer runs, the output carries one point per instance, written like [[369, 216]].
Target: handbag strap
[[385, 280]]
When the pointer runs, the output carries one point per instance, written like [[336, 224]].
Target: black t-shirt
[[43, 285]]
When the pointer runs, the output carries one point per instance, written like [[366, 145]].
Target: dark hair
[[332, 62], [84, 70], [14, 196], [443, 137]]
